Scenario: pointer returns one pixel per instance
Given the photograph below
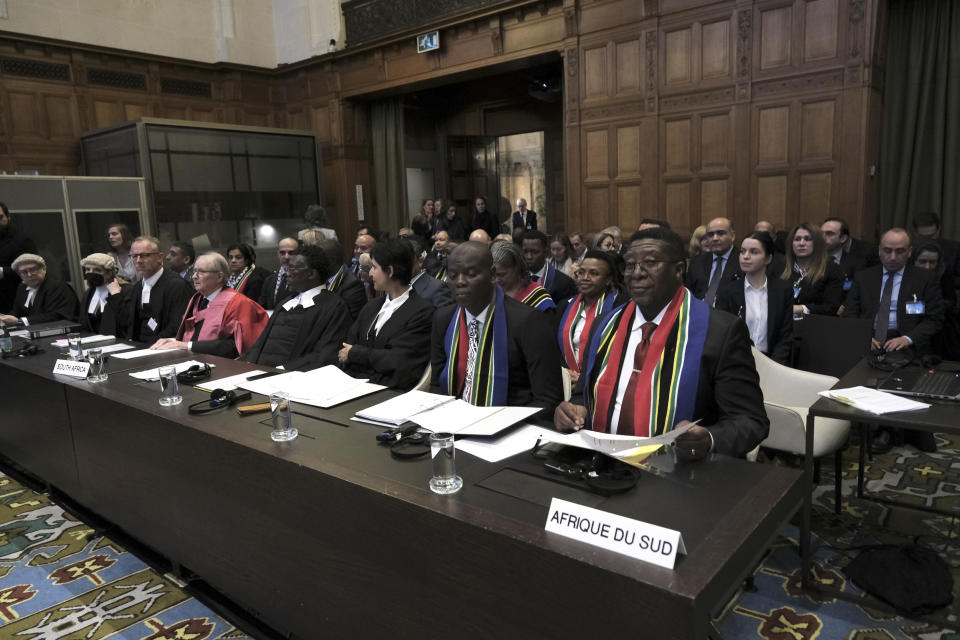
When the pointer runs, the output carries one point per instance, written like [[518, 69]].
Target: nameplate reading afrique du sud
[[633, 538], [73, 368]]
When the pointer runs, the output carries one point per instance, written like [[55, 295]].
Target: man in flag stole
[[489, 349], [695, 364]]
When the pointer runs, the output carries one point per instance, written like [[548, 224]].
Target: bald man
[[717, 265], [479, 235]]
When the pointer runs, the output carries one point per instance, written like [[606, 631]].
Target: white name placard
[[73, 368], [633, 538]]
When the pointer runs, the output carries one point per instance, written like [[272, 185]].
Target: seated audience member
[[697, 241], [360, 266], [158, 299], [510, 273], [765, 303], [483, 219], [119, 238], [308, 329], [505, 237], [275, 286], [779, 237], [406, 233], [817, 281], [906, 307], [179, 259], [561, 254], [947, 342], [605, 242], [617, 237], [40, 298], [489, 349], [312, 237], [535, 250], [452, 225], [389, 343], [926, 228], [105, 303], [444, 255], [315, 219], [218, 321], [427, 287], [431, 262], [580, 246], [717, 264], [12, 244], [245, 276], [480, 235], [715, 381], [836, 236], [342, 282], [423, 223], [649, 223], [599, 285]]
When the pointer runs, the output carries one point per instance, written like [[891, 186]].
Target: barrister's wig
[[28, 258], [101, 260]]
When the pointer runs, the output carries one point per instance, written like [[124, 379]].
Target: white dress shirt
[[99, 299], [755, 314], [388, 309], [148, 286], [304, 299]]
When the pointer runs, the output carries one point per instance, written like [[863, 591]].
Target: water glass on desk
[[169, 387], [445, 479], [98, 365], [283, 429], [75, 345]]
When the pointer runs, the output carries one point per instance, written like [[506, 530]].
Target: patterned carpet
[[779, 610], [55, 584]]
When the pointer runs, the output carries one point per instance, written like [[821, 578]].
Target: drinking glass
[[445, 479], [283, 429], [75, 346], [98, 365], [169, 387]]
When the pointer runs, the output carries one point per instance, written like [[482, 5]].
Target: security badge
[[915, 308]]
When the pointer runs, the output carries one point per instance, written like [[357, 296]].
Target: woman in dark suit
[[389, 343], [245, 276], [770, 324], [817, 281]]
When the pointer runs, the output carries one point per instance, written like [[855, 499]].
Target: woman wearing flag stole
[[598, 281], [510, 272]]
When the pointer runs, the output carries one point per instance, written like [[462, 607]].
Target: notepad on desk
[[873, 401]]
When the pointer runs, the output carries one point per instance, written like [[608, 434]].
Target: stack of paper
[[324, 387], [463, 418], [873, 401], [399, 409], [139, 353], [62, 342]]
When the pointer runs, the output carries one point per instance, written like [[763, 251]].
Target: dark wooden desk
[[328, 535]]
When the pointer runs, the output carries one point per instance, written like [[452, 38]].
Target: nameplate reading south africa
[[633, 538], [73, 368]]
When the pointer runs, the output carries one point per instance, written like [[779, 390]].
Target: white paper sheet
[[324, 387], [873, 401], [111, 348], [399, 409], [62, 342], [463, 418], [227, 384], [139, 353], [517, 441], [154, 374]]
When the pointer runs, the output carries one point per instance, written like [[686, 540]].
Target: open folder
[[439, 413]]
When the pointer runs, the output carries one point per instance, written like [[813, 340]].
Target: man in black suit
[[342, 281], [180, 258], [12, 244], [158, 299], [275, 286], [103, 308], [426, 286], [527, 349], [40, 298], [536, 250], [307, 330], [926, 228], [728, 397], [709, 270], [836, 237], [523, 219]]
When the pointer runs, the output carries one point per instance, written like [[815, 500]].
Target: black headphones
[[892, 360], [29, 349], [195, 373], [219, 399]]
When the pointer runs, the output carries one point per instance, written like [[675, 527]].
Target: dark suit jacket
[[850, 264], [111, 321], [532, 356], [518, 221], [54, 300], [865, 251], [168, 300], [322, 332], [253, 285], [698, 273], [864, 299], [487, 221], [11, 246], [562, 288], [353, 293], [432, 290], [397, 356], [823, 296], [731, 298], [269, 299]]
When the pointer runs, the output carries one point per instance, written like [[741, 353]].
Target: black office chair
[[830, 345]]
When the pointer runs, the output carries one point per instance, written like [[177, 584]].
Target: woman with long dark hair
[[119, 239], [817, 281], [245, 276]]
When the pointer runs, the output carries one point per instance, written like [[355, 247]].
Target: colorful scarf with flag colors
[[490, 364], [535, 296], [568, 325], [337, 279], [667, 388]]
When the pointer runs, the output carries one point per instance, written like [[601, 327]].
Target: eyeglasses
[[143, 256], [199, 271], [29, 271], [649, 265]]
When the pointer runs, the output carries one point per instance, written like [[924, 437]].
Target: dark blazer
[[864, 299], [850, 264], [865, 251], [270, 295], [322, 332], [253, 285], [353, 293], [825, 295], [168, 300], [111, 321], [698, 273], [54, 300], [731, 298], [11, 246], [518, 221], [487, 221], [433, 290], [532, 356], [397, 356], [454, 229], [562, 288]]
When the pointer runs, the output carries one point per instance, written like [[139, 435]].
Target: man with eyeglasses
[[40, 298], [159, 298], [717, 265], [665, 359]]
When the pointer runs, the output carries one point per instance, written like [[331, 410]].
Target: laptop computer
[[55, 328], [921, 383]]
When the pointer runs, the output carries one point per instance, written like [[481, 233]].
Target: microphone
[[365, 261]]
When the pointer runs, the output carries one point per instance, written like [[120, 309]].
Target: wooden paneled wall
[[680, 109]]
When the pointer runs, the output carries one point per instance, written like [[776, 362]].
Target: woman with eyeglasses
[[765, 304], [119, 239], [816, 280], [245, 276]]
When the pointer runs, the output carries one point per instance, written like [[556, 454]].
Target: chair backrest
[[830, 345], [789, 387], [424, 383]]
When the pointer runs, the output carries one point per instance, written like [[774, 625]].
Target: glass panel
[[160, 170], [201, 173], [112, 154], [264, 145], [92, 228], [274, 174], [199, 140], [46, 230]]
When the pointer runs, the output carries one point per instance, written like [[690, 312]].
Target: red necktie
[[625, 425]]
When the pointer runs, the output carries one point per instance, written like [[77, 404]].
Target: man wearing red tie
[[666, 358]]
